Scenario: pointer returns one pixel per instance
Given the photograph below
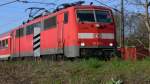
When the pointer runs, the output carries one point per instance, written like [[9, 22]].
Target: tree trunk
[[147, 22], [148, 28], [149, 43]]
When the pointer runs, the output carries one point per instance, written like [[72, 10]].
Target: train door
[[62, 26], [12, 44], [17, 43], [60, 32], [9, 44], [36, 41]]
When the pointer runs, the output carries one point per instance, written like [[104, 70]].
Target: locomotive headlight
[[82, 44], [110, 44], [97, 25]]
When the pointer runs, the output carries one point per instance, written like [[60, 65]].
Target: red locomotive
[[73, 31]]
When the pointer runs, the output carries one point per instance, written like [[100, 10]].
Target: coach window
[[20, 32], [6, 43], [66, 18], [50, 22], [0, 44], [38, 24], [29, 29], [17, 33], [3, 43]]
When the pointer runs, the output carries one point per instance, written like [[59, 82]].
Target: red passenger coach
[[73, 31], [5, 46]]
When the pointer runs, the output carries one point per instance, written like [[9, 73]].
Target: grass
[[83, 71]]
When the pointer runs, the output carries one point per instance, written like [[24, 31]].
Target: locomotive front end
[[96, 31]]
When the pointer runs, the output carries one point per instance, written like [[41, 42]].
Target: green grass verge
[[90, 71]]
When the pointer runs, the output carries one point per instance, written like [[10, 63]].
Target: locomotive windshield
[[85, 15], [94, 16]]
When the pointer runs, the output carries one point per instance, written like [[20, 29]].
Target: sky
[[14, 14]]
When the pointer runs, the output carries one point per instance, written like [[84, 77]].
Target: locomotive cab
[[96, 30]]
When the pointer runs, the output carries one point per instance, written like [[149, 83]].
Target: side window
[[30, 28], [6, 43], [50, 22], [3, 43], [17, 33], [39, 24], [0, 44], [65, 17], [20, 32]]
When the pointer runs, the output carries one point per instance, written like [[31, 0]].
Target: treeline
[[137, 23], [136, 33]]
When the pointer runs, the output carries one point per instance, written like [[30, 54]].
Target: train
[[72, 31]]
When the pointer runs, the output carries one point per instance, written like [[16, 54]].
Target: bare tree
[[136, 30], [118, 26], [147, 22], [145, 4]]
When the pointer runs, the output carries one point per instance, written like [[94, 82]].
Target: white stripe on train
[[95, 35]]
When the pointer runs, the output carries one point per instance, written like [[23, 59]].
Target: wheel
[[107, 56]]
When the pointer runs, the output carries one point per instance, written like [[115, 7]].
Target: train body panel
[[49, 41]]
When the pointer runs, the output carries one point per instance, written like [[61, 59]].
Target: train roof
[[5, 35], [92, 7]]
